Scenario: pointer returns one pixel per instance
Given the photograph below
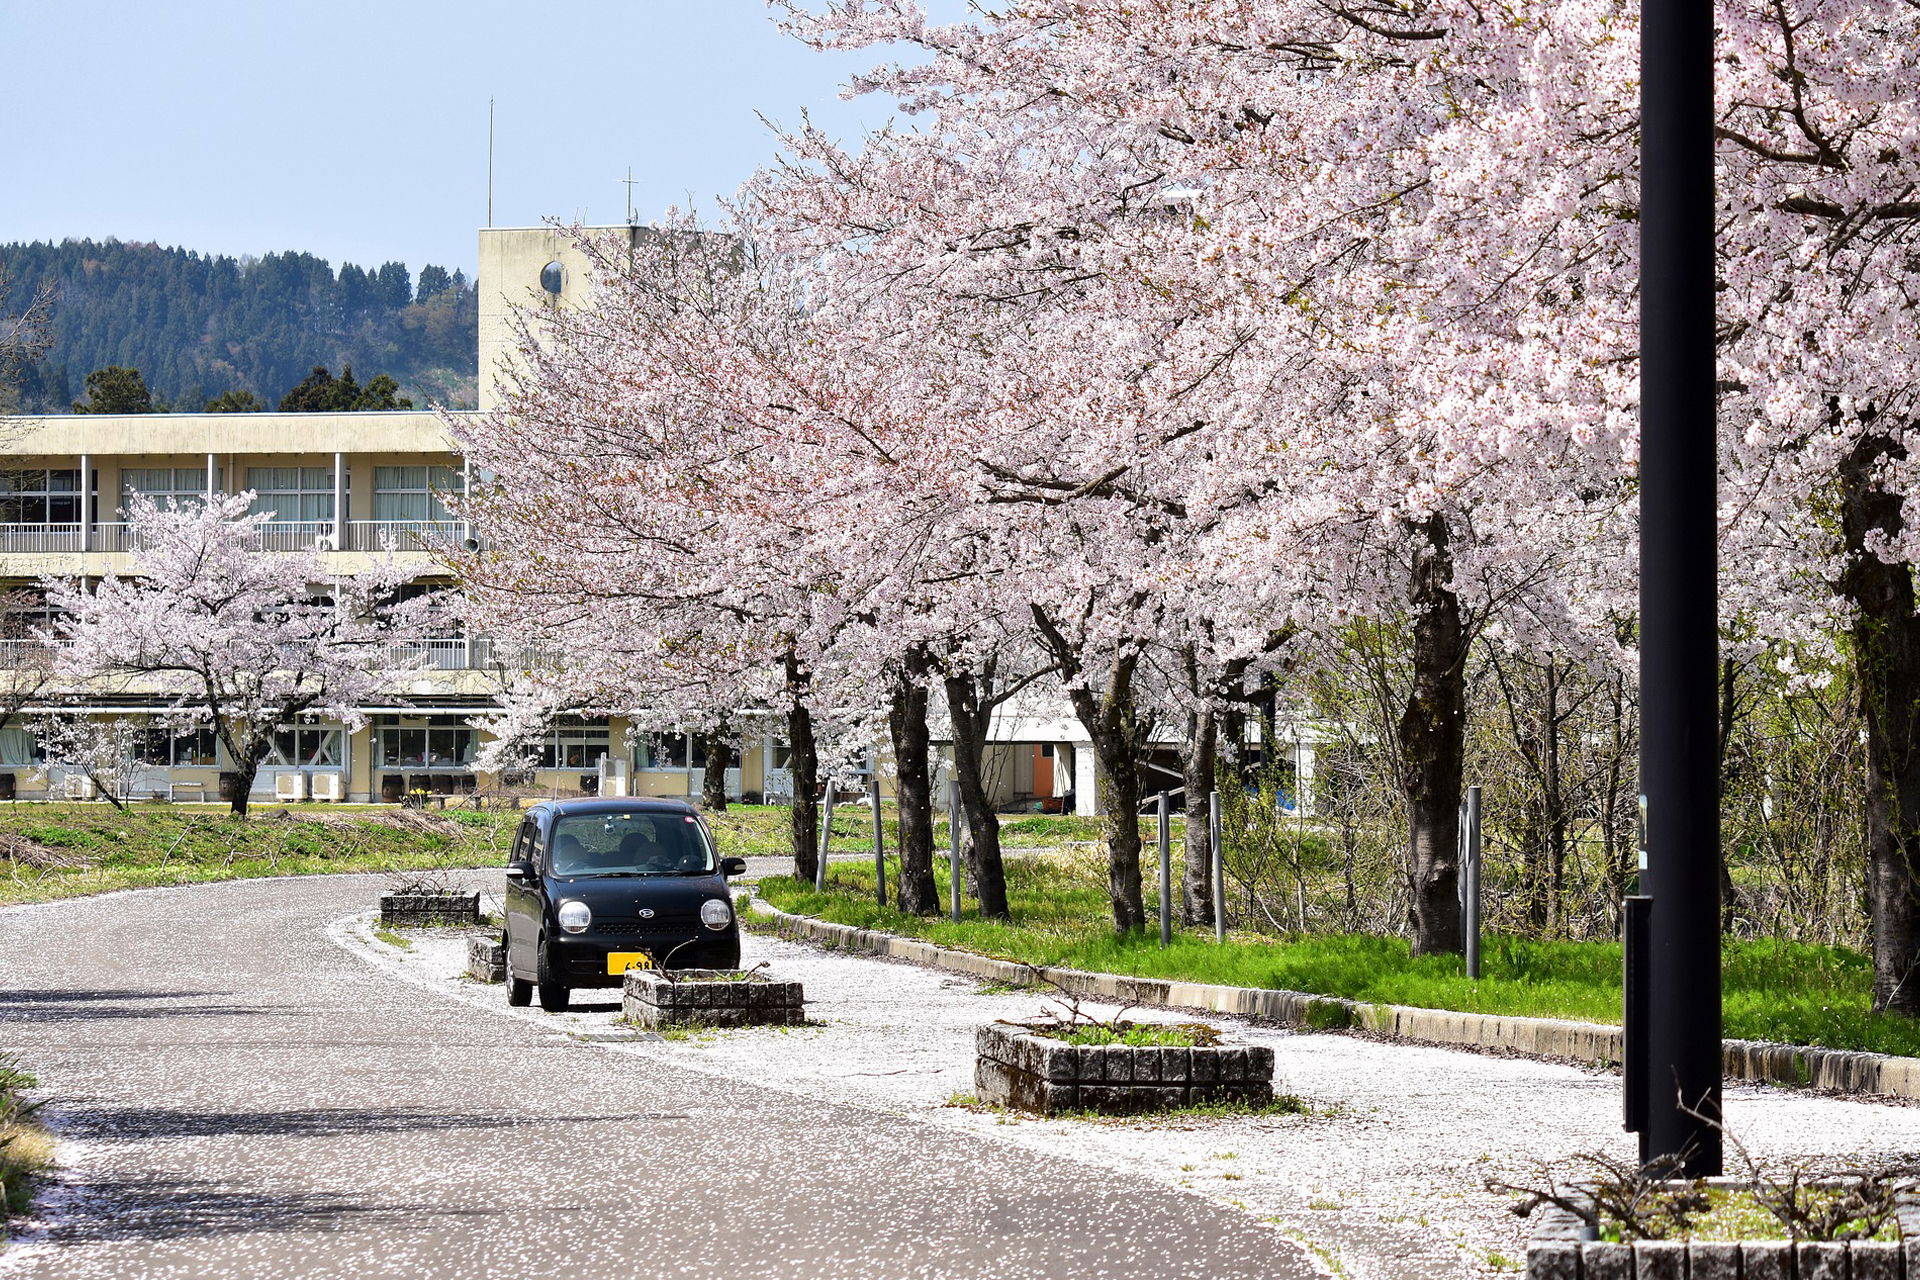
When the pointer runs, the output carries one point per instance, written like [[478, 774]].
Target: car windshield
[[632, 844]]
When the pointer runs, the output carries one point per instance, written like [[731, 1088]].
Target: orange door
[[1043, 769]]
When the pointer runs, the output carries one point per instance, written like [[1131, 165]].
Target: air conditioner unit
[[290, 787], [326, 542], [328, 786], [78, 786]]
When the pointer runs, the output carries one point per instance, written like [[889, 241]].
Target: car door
[[523, 900]]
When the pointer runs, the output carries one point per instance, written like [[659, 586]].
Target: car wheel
[[519, 990], [554, 998]]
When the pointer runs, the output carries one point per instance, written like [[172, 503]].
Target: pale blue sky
[[357, 129]]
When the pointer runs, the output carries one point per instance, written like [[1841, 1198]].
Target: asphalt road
[[237, 1096]]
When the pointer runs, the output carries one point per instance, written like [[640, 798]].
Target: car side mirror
[[733, 866], [519, 870]]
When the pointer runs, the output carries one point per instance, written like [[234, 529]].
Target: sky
[[357, 130]]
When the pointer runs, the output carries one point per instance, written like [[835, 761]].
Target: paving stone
[[1553, 1261], [1766, 1260], [1659, 1260], [1818, 1260], [1713, 1260], [1599, 1261], [1874, 1260]]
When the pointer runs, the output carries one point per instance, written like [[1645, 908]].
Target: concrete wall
[[67, 436], [511, 260]]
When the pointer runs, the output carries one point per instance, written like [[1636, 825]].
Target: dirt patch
[[22, 852]]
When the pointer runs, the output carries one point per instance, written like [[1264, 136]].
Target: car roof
[[622, 804]]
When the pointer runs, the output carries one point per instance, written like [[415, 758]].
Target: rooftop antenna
[[629, 180], [489, 162]]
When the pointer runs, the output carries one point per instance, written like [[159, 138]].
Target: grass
[[1787, 992], [62, 850], [1738, 1214], [747, 830], [25, 1149], [1136, 1034]]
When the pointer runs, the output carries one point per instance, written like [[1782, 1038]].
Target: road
[[237, 1095]]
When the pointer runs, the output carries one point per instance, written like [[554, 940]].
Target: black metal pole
[[879, 846], [1679, 561]]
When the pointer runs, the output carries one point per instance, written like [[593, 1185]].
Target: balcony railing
[[435, 653], [39, 537], [403, 535], [278, 535], [15, 654]]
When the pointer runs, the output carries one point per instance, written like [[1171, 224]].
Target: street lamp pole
[[1679, 563]]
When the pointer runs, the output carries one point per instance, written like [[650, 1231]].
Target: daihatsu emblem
[[646, 913]]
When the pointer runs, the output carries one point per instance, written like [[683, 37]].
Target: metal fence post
[[1219, 868], [953, 843], [1166, 874], [879, 845], [1471, 882], [1636, 926], [826, 837]]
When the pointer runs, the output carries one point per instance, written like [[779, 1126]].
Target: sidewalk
[[1383, 1178]]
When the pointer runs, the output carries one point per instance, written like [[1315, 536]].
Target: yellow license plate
[[621, 961]]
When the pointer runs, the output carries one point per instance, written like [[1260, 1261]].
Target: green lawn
[[61, 850], [747, 830], [1778, 991]]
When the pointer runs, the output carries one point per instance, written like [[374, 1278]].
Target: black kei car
[[598, 887]]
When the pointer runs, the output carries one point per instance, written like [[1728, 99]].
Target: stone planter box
[[711, 998], [486, 960], [1562, 1247], [429, 908], [1017, 1067]]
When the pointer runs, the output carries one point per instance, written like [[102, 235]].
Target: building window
[[574, 744], [439, 742], [660, 752], [413, 494], [18, 748], [293, 495], [182, 486], [306, 747], [197, 749], [40, 496]]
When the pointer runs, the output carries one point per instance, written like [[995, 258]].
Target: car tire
[[519, 990], [554, 998]]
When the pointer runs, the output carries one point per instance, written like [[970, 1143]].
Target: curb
[[1585, 1043]]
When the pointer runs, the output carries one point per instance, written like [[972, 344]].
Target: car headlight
[[574, 916], [715, 913]]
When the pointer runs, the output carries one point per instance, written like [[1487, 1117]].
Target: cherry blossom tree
[[227, 636]]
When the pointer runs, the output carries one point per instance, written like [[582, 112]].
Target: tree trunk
[[1108, 717], [913, 791], [1433, 742], [804, 820], [1119, 784], [969, 723], [1886, 646], [244, 772], [718, 753]]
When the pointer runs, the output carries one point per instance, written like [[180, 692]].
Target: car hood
[[619, 897]]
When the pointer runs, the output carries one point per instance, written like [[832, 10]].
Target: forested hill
[[197, 326]]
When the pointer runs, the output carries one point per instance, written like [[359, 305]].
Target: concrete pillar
[[339, 502], [86, 502], [1303, 754], [1086, 781]]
